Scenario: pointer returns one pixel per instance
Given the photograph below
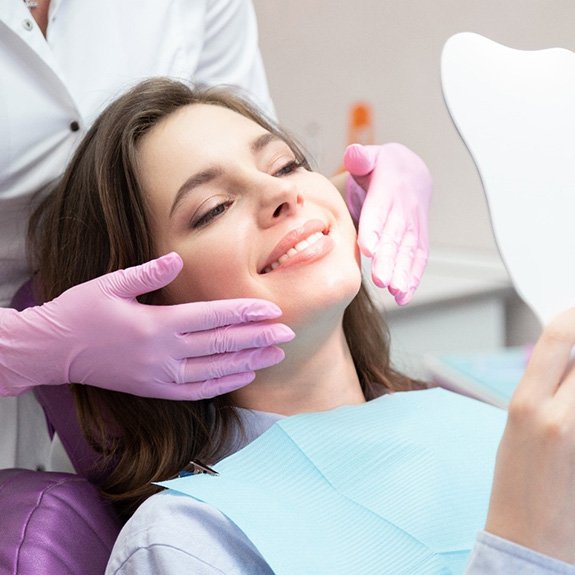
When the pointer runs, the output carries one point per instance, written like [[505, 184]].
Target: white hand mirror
[[515, 111]]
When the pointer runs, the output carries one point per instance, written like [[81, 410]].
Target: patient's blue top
[[398, 485]]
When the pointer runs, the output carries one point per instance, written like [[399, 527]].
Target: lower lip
[[315, 252]]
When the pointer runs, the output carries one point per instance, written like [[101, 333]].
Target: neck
[[317, 374], [39, 10]]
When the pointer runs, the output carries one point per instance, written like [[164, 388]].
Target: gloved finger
[[401, 277], [198, 390], [360, 160], [373, 227], [383, 261], [374, 222], [404, 299], [235, 338], [201, 316], [145, 278], [220, 365], [214, 387], [418, 267]]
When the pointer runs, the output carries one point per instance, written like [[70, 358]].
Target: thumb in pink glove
[[97, 333], [389, 193]]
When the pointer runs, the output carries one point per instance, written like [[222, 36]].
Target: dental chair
[[55, 523]]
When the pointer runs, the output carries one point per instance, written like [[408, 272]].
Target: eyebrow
[[260, 143], [211, 174], [193, 182]]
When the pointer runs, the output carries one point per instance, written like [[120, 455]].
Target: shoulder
[[175, 533]]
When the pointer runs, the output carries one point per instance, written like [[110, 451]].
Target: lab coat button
[[74, 126], [27, 24]]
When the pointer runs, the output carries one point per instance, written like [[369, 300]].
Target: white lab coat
[[51, 90]]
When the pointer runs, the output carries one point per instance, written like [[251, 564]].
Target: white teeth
[[302, 245], [292, 251]]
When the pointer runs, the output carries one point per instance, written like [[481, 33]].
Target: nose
[[279, 198]]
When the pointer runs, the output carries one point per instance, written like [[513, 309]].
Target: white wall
[[322, 55]]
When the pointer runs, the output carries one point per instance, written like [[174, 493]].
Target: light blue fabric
[[397, 485]]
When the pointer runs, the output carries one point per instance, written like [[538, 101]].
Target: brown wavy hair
[[96, 221]]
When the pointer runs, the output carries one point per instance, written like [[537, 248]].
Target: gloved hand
[[97, 333], [389, 193]]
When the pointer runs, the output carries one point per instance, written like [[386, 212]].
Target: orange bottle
[[360, 128]]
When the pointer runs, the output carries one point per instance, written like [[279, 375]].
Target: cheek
[[216, 262], [204, 278], [190, 287]]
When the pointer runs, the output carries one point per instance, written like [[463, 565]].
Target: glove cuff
[[26, 357]]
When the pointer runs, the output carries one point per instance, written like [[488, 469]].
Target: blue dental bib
[[399, 485]]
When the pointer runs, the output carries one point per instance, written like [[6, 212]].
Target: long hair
[[96, 221]]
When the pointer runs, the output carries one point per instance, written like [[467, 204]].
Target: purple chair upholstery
[[53, 524], [24, 297]]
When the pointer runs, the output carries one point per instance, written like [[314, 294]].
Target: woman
[[202, 173]]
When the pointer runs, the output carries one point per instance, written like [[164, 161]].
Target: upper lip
[[292, 238]]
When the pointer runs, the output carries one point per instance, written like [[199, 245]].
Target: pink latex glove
[[390, 193], [97, 333]]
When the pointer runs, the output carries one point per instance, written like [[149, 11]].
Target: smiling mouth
[[296, 249]]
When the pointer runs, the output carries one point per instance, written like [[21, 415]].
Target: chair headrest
[[53, 523]]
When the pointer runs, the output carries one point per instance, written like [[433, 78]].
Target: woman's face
[[247, 220]]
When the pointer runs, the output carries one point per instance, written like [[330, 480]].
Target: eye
[[208, 216], [289, 168]]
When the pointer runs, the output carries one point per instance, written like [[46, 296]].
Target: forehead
[[200, 124]]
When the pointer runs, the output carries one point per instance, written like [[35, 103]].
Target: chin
[[325, 303]]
